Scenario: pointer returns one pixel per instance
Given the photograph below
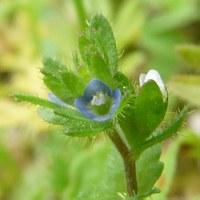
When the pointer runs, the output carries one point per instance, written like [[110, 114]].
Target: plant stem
[[129, 162]]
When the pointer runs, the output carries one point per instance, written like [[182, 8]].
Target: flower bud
[[155, 76]]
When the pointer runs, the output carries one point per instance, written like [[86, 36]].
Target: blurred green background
[[37, 161]]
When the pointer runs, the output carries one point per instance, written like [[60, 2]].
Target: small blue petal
[[81, 104], [56, 100], [96, 86], [116, 100]]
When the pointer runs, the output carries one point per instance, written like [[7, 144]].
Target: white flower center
[[98, 99]]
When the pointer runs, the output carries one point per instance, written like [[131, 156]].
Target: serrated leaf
[[191, 54], [102, 36], [99, 70], [95, 62], [68, 113], [35, 100], [75, 84], [49, 116], [84, 48], [83, 128], [76, 61], [148, 170], [52, 67], [58, 88], [127, 90], [53, 80], [72, 126], [78, 125]]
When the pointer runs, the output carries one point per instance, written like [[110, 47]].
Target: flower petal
[[116, 100], [155, 76], [97, 86], [141, 79], [81, 104], [56, 100]]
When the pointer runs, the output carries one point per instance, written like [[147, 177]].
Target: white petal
[[154, 75], [141, 79]]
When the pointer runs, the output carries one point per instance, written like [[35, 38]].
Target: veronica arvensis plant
[[96, 97]]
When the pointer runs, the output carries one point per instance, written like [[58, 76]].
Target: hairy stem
[[129, 162]]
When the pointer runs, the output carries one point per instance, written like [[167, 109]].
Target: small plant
[[96, 97]]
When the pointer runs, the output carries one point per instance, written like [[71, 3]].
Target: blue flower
[[99, 102]]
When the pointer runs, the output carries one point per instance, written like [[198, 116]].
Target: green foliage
[[99, 53], [141, 111], [73, 83], [170, 160], [99, 49], [52, 67], [53, 80], [128, 93], [105, 43], [35, 100], [148, 112], [49, 116], [73, 126], [165, 133], [148, 169], [99, 70]]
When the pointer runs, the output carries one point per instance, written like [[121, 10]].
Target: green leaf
[[128, 93], [191, 54], [78, 125], [49, 116], [67, 112], [83, 128], [72, 127], [144, 116], [99, 70], [95, 62], [35, 100], [58, 88], [52, 67], [84, 48], [148, 171], [102, 37], [170, 159], [75, 84], [149, 109], [53, 80], [70, 113], [164, 134]]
